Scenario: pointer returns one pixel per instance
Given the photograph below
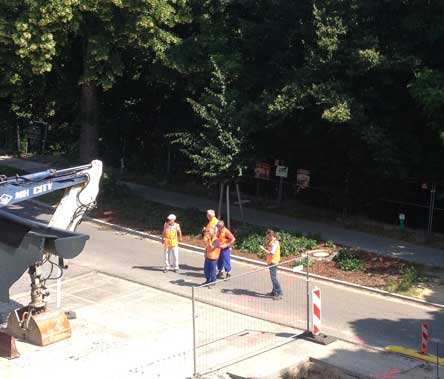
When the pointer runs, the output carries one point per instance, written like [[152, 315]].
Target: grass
[[411, 276]]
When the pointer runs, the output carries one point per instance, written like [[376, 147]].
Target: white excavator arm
[[78, 199]]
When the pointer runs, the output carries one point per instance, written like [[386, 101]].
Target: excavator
[[27, 245]]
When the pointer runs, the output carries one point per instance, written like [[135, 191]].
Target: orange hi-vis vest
[[212, 252], [210, 225], [170, 235], [221, 236], [273, 259]]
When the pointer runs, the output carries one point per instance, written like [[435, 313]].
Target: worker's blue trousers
[[224, 260], [210, 270]]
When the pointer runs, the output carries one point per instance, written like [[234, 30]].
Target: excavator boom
[[27, 245]]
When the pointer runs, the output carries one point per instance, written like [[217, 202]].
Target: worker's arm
[[230, 240], [179, 233], [163, 232]]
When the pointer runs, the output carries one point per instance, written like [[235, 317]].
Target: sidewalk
[[379, 245]]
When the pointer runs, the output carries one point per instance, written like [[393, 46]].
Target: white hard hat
[[171, 217], [211, 212]]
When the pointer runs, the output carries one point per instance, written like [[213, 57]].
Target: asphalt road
[[356, 316]]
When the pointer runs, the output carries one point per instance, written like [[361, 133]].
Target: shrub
[[330, 244], [250, 244], [348, 261], [409, 276], [303, 262]]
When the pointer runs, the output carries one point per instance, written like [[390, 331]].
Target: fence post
[[194, 332], [315, 335], [307, 280]]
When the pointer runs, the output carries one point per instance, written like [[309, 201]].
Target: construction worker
[[212, 251], [273, 251], [226, 239], [170, 237], [212, 220]]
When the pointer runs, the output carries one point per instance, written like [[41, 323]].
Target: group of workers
[[218, 240]]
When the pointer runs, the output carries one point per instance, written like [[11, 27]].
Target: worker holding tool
[[226, 239], [171, 237]]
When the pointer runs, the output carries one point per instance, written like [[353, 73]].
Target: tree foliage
[[352, 89], [215, 148]]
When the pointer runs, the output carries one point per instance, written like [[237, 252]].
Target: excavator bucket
[[23, 243], [39, 329]]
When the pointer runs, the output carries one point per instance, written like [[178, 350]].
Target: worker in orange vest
[[212, 221], [170, 238], [212, 251], [273, 251], [226, 239]]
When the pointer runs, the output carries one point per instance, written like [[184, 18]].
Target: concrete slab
[[124, 329]]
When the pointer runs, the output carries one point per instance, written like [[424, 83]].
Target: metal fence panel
[[252, 322]]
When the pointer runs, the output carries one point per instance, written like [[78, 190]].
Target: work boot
[[277, 297], [220, 274], [228, 275]]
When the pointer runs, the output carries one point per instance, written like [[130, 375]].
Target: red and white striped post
[[316, 310], [424, 337]]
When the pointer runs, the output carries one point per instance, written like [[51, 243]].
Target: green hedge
[[292, 242]]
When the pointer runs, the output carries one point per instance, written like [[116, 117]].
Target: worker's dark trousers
[[224, 261], [277, 289], [210, 270]]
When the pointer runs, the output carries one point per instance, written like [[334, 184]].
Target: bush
[[409, 276], [250, 244], [250, 237], [303, 262], [348, 261], [330, 244]]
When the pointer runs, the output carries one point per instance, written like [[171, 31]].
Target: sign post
[[281, 172], [402, 221]]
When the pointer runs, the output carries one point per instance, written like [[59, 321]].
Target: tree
[[99, 33], [215, 148]]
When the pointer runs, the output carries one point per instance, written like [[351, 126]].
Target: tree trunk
[[89, 112], [89, 119]]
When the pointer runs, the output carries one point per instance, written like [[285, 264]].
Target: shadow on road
[[241, 291], [404, 332], [183, 283], [149, 268], [191, 268]]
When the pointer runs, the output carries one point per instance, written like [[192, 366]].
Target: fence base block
[[320, 338], [7, 346]]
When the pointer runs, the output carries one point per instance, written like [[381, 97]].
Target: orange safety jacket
[[170, 235], [212, 252], [273, 259], [222, 236], [211, 225]]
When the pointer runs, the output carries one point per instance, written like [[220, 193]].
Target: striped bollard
[[424, 337], [316, 301]]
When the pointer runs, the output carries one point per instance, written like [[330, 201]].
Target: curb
[[257, 263]]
